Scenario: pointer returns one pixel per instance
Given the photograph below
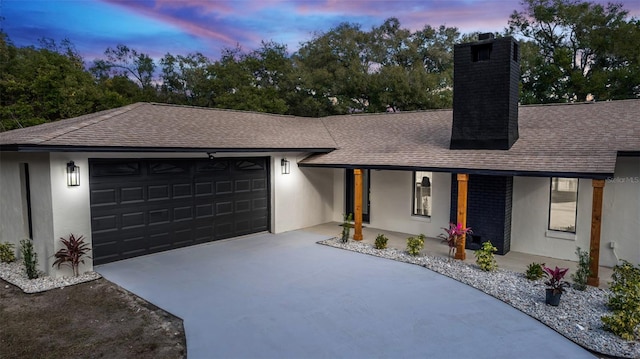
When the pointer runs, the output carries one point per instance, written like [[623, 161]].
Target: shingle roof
[[564, 138], [146, 126], [582, 138]]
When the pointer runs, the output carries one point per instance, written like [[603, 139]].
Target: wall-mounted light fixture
[[286, 166], [211, 155], [426, 182], [73, 174]]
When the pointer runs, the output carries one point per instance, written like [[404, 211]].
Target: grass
[[90, 320]]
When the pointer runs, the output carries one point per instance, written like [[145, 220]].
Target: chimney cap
[[486, 36]]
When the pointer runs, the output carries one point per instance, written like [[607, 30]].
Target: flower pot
[[553, 298]]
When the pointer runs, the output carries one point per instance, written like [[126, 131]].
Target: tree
[[576, 48], [253, 81], [187, 80], [44, 84], [127, 63]]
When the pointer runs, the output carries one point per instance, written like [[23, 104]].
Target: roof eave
[[475, 171], [61, 148]]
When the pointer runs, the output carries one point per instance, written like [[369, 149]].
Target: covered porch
[[513, 261]]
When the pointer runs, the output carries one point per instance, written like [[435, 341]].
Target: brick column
[[596, 222], [357, 217], [463, 180]]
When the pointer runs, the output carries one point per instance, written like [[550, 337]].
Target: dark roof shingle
[[582, 138]]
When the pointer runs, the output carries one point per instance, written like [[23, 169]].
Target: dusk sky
[[180, 27]]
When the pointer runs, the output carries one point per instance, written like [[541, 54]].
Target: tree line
[[569, 49]]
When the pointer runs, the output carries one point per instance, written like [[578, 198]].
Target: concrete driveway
[[284, 296]]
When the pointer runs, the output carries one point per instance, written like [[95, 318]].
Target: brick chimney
[[485, 94]]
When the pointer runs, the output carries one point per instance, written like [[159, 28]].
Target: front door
[[350, 194]]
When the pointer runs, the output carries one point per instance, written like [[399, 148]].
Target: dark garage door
[[142, 206]]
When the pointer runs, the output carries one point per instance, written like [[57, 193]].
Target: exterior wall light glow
[[73, 174], [286, 166]]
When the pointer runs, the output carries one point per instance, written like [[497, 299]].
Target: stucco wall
[[302, 198], [391, 198], [71, 210], [621, 213], [13, 226], [13, 217], [620, 219]]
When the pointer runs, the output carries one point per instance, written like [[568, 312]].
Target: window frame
[[414, 187], [575, 213]]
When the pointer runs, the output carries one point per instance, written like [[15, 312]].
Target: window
[[563, 204], [422, 193]]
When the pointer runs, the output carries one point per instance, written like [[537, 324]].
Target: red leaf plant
[[453, 234], [555, 281], [73, 252]]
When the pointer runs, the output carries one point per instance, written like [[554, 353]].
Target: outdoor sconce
[[426, 182], [73, 174], [286, 166]]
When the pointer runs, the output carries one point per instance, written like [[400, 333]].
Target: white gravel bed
[[577, 317], [15, 274]]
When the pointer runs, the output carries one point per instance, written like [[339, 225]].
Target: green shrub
[[484, 257], [624, 301], [7, 253], [415, 244], [381, 241], [29, 258], [582, 274], [346, 227], [534, 271]]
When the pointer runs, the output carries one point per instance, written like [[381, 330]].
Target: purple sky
[[180, 27]]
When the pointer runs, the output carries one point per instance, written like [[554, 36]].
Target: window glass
[[422, 193], [563, 204]]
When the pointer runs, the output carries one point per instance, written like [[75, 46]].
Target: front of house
[[155, 177]]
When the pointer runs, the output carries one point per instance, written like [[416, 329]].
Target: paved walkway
[[283, 296]]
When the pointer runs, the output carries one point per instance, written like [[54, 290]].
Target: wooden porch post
[[463, 180], [357, 217], [596, 221]]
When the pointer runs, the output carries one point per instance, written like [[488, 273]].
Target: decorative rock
[[15, 274]]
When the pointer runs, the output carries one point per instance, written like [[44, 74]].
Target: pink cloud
[[207, 6], [187, 25]]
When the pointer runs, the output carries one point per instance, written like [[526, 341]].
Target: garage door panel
[[242, 205], [204, 189], [260, 204], [105, 223], [223, 208], [204, 210], [243, 185], [223, 187], [158, 192], [132, 194], [145, 206], [133, 220], [182, 190], [103, 197], [183, 213]]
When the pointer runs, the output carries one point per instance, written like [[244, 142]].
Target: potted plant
[[555, 284], [452, 236]]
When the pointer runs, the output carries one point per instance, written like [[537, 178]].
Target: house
[[150, 177]]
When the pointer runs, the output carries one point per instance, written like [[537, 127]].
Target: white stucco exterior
[[620, 217], [300, 199], [309, 196]]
